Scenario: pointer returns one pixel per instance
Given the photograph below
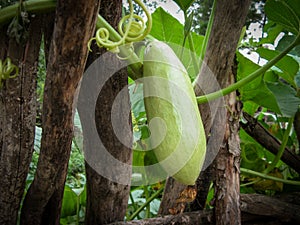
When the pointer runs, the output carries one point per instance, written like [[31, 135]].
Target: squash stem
[[212, 96], [155, 195], [282, 146], [268, 177]]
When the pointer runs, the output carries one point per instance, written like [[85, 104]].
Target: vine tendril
[[7, 70], [131, 28]]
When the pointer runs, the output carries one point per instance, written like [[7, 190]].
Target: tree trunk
[[74, 25], [108, 185], [17, 119], [228, 22], [219, 60], [227, 164]]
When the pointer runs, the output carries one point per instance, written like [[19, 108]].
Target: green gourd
[[177, 133]]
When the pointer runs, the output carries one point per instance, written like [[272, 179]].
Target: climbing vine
[[7, 70]]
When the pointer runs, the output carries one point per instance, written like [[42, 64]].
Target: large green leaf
[[286, 98], [287, 64], [250, 107], [270, 93], [184, 4], [168, 29], [285, 41], [255, 91], [284, 12]]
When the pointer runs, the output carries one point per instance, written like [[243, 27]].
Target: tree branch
[[268, 141], [256, 209]]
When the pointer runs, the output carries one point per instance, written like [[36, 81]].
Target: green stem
[[282, 146], [246, 80], [41, 6], [188, 35], [146, 191], [250, 183], [133, 202], [193, 54], [207, 32], [192, 47], [34, 6], [146, 203], [265, 176], [133, 60]]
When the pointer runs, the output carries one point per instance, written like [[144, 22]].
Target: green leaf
[[255, 91], [136, 98], [285, 41], [287, 64], [252, 152], [297, 80], [184, 4], [271, 76], [286, 98], [270, 93], [69, 204], [83, 197], [284, 12], [37, 139], [272, 30], [166, 28], [250, 107], [154, 206]]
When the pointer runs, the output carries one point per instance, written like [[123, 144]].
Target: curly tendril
[[131, 28], [7, 70]]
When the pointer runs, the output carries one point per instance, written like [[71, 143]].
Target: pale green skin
[[165, 76]]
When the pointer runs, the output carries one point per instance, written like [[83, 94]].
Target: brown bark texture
[[217, 67], [227, 164], [17, 118], [228, 22], [256, 209], [74, 26], [108, 185]]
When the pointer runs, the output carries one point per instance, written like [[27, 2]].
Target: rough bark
[[261, 205], [227, 164], [229, 20], [171, 192], [189, 218], [268, 141], [17, 119], [74, 26], [107, 199], [219, 60], [256, 210]]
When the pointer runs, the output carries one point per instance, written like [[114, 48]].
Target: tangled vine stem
[[135, 64], [131, 28], [7, 70], [212, 96]]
